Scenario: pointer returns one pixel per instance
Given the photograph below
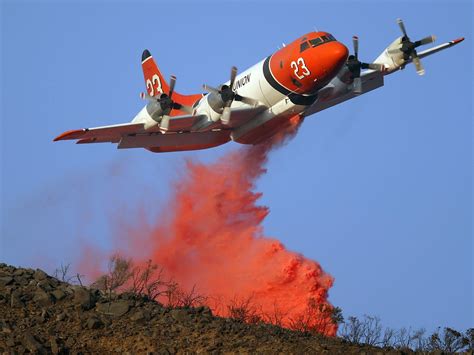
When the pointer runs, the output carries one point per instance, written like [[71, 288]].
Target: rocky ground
[[40, 314]]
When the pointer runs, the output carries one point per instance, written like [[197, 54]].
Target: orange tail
[[155, 82]]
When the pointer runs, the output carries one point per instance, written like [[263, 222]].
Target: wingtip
[[68, 135], [145, 55], [458, 40]]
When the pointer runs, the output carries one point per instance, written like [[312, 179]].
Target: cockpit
[[305, 44]]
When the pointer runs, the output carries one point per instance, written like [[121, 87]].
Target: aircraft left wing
[[370, 79]]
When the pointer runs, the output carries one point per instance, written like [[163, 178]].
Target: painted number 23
[[299, 68], [154, 85]]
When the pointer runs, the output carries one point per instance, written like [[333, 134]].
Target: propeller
[[408, 48], [228, 95], [355, 65], [166, 104]]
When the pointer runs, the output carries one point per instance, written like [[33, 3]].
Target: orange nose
[[339, 54], [333, 55]]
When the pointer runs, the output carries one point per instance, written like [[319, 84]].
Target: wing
[[172, 142], [111, 133], [238, 117], [242, 115], [114, 133], [371, 80], [180, 135], [134, 136]]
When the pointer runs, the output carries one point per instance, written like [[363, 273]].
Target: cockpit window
[[320, 40], [315, 42], [304, 46]]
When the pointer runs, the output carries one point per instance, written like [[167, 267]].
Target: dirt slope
[[40, 314]]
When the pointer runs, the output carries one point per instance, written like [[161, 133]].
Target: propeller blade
[[184, 108], [188, 109], [426, 40], [246, 100], [419, 68], [355, 44], [228, 103], [165, 123], [402, 27], [211, 89], [225, 117], [233, 74], [357, 85], [375, 66], [172, 84]]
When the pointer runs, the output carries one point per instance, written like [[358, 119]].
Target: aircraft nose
[[339, 54], [335, 56]]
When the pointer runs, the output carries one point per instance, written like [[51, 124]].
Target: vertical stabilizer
[[155, 82]]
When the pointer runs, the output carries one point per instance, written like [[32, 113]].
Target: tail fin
[[155, 82]]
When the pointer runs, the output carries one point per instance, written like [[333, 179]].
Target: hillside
[[41, 314]]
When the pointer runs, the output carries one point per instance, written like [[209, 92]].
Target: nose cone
[[331, 57], [339, 54]]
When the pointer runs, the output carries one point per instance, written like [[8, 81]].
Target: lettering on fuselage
[[242, 81]]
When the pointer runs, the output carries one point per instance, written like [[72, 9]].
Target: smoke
[[210, 235]]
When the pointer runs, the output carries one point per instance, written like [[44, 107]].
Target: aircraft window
[[328, 38], [304, 46], [315, 42]]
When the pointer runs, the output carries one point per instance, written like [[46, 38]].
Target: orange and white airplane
[[307, 76]]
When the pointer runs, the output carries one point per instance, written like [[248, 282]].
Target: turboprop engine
[[160, 106], [220, 100]]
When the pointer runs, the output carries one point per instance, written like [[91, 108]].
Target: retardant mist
[[211, 236]]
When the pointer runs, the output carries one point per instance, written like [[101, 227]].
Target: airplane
[[306, 76]]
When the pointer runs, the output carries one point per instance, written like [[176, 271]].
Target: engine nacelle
[[390, 58], [339, 85], [211, 106], [154, 110]]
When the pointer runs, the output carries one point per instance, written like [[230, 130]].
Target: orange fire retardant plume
[[211, 236]]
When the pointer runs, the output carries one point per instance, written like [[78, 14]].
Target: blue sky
[[378, 190]]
